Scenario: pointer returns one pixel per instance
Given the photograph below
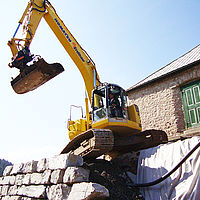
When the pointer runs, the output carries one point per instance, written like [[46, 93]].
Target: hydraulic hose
[[162, 178], [43, 6]]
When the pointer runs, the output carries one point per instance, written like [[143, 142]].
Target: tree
[[3, 165]]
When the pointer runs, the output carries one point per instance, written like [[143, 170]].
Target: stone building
[[169, 99]]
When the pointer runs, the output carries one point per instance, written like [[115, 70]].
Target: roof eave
[[165, 75]]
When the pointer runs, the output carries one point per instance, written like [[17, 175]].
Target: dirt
[[114, 178]]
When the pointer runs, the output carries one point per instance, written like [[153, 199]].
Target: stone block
[[88, 191], [5, 180], [6, 198], [17, 169], [27, 179], [33, 191], [1, 180], [27, 198], [7, 170], [41, 165], [30, 167], [40, 178], [76, 175], [57, 176], [63, 161], [4, 190], [46, 175], [15, 198], [19, 179], [36, 179], [12, 190], [58, 192], [11, 180]]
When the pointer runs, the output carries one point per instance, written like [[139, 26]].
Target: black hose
[[43, 6], [162, 178]]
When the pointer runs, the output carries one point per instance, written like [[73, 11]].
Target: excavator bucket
[[35, 75]]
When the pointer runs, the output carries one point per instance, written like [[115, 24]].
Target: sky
[[127, 39]]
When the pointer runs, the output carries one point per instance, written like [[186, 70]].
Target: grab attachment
[[34, 75]]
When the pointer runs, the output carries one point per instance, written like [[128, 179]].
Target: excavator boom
[[113, 126], [36, 76]]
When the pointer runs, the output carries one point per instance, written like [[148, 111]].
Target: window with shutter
[[191, 103]]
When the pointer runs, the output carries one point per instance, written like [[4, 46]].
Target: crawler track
[[96, 142], [91, 144]]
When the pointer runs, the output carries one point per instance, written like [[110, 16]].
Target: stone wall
[[56, 178], [160, 102]]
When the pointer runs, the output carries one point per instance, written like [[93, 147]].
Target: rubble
[[66, 177], [114, 178]]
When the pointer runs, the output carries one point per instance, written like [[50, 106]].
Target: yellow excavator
[[111, 126]]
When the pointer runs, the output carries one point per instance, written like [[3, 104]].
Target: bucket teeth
[[35, 75]]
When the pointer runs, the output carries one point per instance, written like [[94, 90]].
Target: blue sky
[[127, 39]]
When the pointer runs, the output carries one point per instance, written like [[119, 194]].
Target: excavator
[[110, 126]]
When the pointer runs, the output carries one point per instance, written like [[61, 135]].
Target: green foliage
[[3, 165]]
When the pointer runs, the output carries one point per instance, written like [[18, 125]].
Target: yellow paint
[[82, 60], [76, 127]]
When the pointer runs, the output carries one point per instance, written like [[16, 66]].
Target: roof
[[185, 61]]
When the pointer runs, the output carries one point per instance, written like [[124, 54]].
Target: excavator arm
[[113, 129], [34, 12]]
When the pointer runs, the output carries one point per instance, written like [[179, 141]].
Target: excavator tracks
[[96, 142], [91, 144]]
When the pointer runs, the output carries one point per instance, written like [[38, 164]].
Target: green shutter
[[191, 103]]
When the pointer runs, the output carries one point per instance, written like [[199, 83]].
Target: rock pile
[[60, 177]]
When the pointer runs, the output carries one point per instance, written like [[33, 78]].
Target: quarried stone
[[41, 165], [7, 170], [4, 190], [30, 167], [12, 190], [63, 161], [34, 191], [58, 192], [17, 169], [88, 191], [57, 176], [19, 179], [76, 175]]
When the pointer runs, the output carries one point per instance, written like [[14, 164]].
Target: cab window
[[117, 102], [99, 104]]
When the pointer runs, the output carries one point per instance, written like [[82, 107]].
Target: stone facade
[[61, 177], [160, 102]]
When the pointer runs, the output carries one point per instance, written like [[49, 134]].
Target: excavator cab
[[32, 75], [109, 101], [111, 110]]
